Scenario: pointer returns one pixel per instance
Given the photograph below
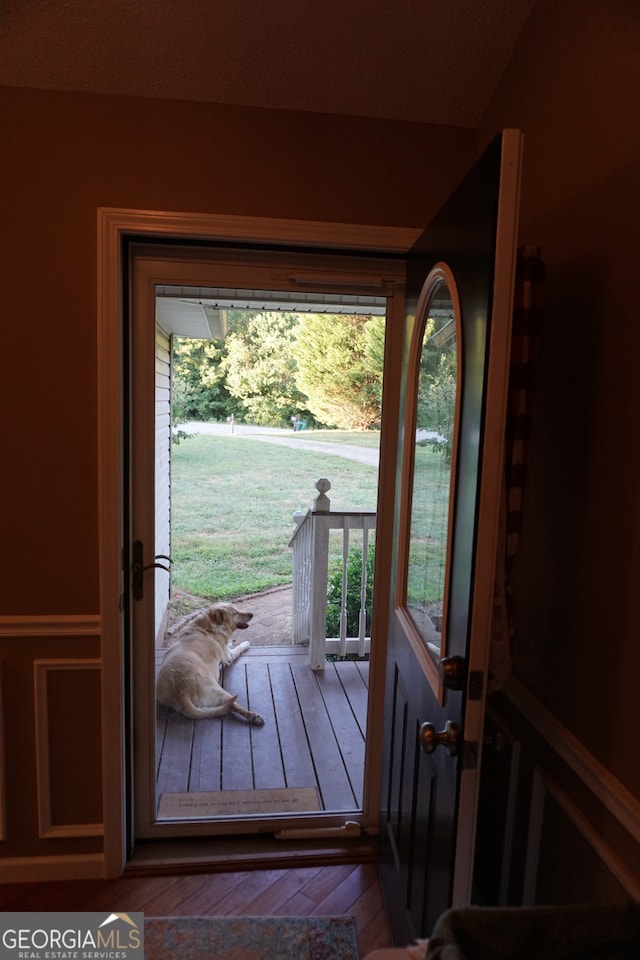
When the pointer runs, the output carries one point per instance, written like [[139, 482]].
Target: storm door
[[308, 766]]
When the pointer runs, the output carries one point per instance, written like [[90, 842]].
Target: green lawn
[[429, 522], [233, 499]]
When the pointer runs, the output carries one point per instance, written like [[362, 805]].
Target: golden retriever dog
[[188, 680]]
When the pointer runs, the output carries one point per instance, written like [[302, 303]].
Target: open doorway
[[307, 764]]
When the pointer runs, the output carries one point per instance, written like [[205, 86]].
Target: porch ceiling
[[200, 312], [191, 318]]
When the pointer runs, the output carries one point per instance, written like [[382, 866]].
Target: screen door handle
[[138, 568]]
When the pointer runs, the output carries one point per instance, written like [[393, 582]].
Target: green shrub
[[334, 592]]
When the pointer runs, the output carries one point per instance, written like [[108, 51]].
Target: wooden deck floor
[[313, 736]]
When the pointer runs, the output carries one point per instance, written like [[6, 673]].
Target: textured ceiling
[[435, 61]]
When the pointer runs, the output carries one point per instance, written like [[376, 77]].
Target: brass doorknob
[[449, 738]]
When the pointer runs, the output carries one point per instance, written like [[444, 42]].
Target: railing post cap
[[322, 503]]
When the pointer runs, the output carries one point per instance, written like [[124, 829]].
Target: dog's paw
[[256, 719], [234, 652]]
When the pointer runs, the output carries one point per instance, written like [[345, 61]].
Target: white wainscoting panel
[[617, 799], [42, 669], [545, 788]]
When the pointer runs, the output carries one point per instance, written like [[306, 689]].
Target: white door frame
[[114, 225]]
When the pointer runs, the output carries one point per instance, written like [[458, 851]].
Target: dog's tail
[[194, 712]]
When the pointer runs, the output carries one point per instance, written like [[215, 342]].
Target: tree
[[374, 333], [340, 368], [437, 390], [199, 390], [260, 368]]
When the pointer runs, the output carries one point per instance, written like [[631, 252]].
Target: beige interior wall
[[67, 155]]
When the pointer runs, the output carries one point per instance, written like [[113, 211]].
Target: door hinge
[[138, 568]]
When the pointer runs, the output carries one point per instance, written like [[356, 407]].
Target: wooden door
[[454, 387]]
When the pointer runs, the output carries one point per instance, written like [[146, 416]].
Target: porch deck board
[[333, 780], [176, 752], [346, 731], [206, 756], [313, 734], [297, 759], [354, 677], [237, 768], [266, 755]]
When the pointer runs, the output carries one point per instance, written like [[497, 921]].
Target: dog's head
[[227, 616]]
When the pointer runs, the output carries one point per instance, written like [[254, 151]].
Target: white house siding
[[163, 475]]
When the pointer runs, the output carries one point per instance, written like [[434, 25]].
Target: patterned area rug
[[250, 938]]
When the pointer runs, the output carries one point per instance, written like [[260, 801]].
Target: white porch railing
[[310, 558]]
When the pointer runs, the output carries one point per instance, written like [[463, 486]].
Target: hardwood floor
[[349, 889]]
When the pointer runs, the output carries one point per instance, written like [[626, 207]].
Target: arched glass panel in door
[[432, 417]]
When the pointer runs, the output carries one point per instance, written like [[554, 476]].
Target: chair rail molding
[[51, 625]]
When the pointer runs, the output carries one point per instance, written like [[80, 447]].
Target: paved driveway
[[286, 438]]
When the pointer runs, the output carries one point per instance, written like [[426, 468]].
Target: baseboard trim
[[41, 869]]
